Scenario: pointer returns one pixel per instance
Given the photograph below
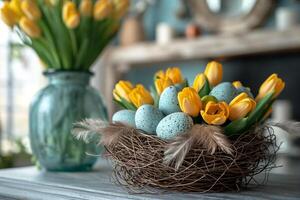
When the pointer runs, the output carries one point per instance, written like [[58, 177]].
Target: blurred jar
[[286, 18], [282, 112], [164, 33]]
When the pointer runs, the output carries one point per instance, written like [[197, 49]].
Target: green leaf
[[155, 96], [260, 110], [236, 127], [205, 90]]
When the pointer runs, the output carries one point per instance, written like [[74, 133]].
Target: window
[[20, 79]]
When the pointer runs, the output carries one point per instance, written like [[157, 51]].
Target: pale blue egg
[[174, 125], [147, 118], [224, 92], [168, 101], [125, 117], [246, 90]]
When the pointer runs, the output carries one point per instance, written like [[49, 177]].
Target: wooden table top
[[29, 183]]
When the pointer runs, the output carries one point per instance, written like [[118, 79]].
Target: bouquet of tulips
[[174, 107], [65, 34]]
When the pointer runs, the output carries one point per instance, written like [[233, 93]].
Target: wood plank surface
[[29, 183], [212, 46]]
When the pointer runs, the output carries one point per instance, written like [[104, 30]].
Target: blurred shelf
[[255, 42]]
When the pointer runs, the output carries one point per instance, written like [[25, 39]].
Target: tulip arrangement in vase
[[208, 136], [68, 36]]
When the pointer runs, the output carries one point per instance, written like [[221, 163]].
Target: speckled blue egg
[[147, 118], [168, 102], [174, 125], [224, 92], [246, 90], [125, 117]]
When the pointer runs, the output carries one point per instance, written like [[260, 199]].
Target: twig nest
[[174, 125], [224, 92], [126, 117], [147, 118], [168, 102]]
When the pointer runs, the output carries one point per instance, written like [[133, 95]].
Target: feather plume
[[210, 137], [111, 133], [107, 134], [290, 127], [88, 129]]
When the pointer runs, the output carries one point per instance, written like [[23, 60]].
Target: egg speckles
[[224, 92], [174, 125], [168, 102], [147, 118], [125, 117]]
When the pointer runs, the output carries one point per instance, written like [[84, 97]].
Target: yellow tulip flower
[[103, 9], [215, 113], [199, 82], [162, 84], [140, 96], [237, 84], [175, 75], [86, 8], [272, 84], [30, 27], [241, 106], [160, 75], [189, 101], [214, 73], [30, 9], [122, 89], [8, 15], [15, 5], [121, 7], [71, 16]]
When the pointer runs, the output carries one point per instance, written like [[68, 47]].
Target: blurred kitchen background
[[252, 39]]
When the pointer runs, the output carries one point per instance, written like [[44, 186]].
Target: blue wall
[[250, 70]]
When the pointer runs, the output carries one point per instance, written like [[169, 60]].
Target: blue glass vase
[[67, 99]]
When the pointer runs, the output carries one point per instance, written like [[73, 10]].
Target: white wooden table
[[29, 183]]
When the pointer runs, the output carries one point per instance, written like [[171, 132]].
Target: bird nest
[[201, 160]]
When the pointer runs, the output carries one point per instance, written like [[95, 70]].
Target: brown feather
[[111, 133], [91, 129], [210, 137], [88, 129]]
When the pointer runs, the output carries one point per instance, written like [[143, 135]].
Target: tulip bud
[[215, 113], [122, 89], [189, 101], [162, 84], [86, 8], [71, 16], [102, 9], [30, 27], [15, 5], [237, 84], [8, 15], [272, 84], [175, 75], [214, 73], [140, 96], [30, 9], [241, 106], [199, 82], [121, 7]]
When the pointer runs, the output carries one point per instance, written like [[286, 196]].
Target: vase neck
[[78, 78]]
